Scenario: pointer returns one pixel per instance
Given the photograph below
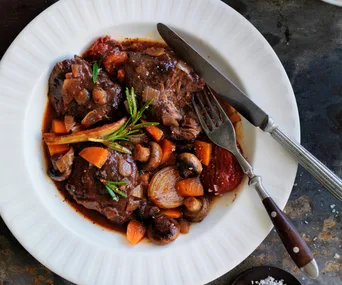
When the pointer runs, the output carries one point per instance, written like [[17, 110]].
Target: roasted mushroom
[[62, 166], [192, 204], [141, 153], [57, 176], [146, 211], [151, 156], [196, 209], [155, 157], [189, 165], [163, 230], [184, 226]]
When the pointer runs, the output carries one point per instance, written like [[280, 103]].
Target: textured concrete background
[[307, 36]]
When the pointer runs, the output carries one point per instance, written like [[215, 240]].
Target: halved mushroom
[[163, 230], [189, 165], [62, 166], [192, 204], [155, 157], [57, 176], [184, 226], [195, 211], [141, 153]]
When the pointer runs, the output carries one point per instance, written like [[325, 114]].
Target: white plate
[[72, 246], [334, 2]]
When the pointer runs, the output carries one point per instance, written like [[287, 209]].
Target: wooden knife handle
[[292, 240]]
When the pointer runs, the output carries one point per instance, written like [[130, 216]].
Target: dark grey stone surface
[[307, 37]]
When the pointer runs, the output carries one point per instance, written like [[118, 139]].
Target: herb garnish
[[113, 189], [96, 69], [130, 129]]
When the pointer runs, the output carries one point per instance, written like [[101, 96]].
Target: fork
[[220, 131]]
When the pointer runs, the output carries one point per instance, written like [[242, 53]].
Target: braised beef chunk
[[109, 51], [120, 167], [189, 130], [146, 211], [73, 92], [85, 187], [170, 83]]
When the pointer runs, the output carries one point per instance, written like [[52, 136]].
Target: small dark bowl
[[262, 272]]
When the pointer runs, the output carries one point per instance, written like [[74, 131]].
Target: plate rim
[[334, 2]]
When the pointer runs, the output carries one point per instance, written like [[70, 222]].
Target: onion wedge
[[162, 188]]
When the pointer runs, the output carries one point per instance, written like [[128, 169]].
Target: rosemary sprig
[[113, 189], [130, 129]]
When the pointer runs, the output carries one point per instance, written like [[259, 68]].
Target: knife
[[248, 109]]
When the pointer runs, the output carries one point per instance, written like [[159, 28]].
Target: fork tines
[[209, 110]]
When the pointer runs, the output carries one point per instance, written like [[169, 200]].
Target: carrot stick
[[135, 231], [203, 151], [172, 213], [83, 136], [95, 155], [155, 132], [58, 127], [235, 117], [168, 148], [190, 187], [58, 149]]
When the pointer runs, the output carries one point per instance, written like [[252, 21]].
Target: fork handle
[[292, 240], [325, 176]]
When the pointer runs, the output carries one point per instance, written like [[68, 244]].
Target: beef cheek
[[71, 92], [86, 189], [171, 87]]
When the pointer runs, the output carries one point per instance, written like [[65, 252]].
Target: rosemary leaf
[[142, 110], [130, 128], [95, 71], [112, 194], [144, 125], [137, 136], [118, 191], [112, 188], [116, 146], [115, 183]]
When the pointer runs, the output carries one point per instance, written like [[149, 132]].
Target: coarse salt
[[269, 281]]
